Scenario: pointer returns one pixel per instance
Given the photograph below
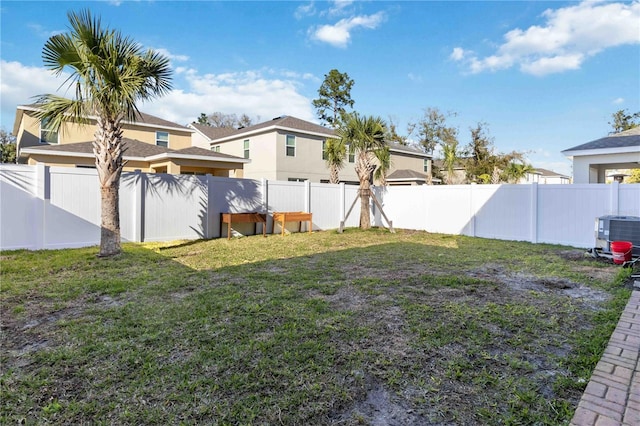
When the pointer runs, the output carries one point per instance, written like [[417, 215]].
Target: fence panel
[[448, 209], [20, 209], [175, 207], [567, 213], [325, 205], [629, 200], [502, 211], [75, 202], [233, 196]]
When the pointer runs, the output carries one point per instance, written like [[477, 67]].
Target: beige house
[[593, 160], [151, 145], [290, 149]]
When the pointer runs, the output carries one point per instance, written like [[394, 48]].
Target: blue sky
[[544, 76]]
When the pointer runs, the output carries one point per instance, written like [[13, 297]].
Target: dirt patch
[[526, 282], [380, 408]]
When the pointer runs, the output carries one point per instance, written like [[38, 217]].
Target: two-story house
[[288, 148], [151, 144]]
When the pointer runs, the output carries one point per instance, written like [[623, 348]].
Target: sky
[[543, 76]]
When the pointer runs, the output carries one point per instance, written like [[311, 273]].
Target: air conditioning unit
[[618, 228]]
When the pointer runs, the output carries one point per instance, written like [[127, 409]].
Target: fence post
[[138, 207], [341, 211], [43, 196], [614, 195], [534, 213], [307, 196], [472, 211], [265, 202]]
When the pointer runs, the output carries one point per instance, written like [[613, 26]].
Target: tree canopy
[[220, 119], [623, 120], [7, 147], [334, 98]]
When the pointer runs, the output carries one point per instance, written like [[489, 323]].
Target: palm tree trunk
[[110, 221], [365, 217], [334, 177], [108, 152]]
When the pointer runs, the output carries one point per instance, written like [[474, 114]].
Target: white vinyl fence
[[58, 207]]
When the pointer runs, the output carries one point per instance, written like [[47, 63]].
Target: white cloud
[[20, 84], [414, 77], [169, 55], [305, 10], [41, 32], [339, 7], [262, 93], [569, 36], [339, 33], [618, 101], [248, 92]]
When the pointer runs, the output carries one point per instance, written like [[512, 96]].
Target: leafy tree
[[335, 97], [392, 134], [635, 176], [109, 74], [203, 119], [483, 164], [365, 136], [335, 151], [7, 147], [622, 121], [433, 130], [220, 119]]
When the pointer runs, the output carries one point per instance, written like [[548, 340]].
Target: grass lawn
[[354, 328]]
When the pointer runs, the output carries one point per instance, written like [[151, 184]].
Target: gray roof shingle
[[406, 174], [284, 121], [624, 139], [132, 149]]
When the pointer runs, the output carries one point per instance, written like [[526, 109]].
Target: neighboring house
[[592, 159], [288, 148], [544, 176], [409, 165], [151, 145]]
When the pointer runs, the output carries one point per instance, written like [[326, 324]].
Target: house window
[[246, 148], [291, 146], [297, 179], [162, 139], [324, 151], [47, 134], [425, 165], [352, 154], [215, 148]]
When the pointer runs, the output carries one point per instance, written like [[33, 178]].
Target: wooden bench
[[254, 218], [284, 217]]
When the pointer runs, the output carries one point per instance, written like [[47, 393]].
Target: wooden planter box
[[283, 217], [254, 218]]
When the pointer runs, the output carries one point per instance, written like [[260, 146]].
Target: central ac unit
[[618, 228]]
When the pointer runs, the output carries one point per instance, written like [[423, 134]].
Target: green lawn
[[354, 328]]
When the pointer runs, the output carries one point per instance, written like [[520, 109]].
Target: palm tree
[[450, 153], [516, 171], [384, 164], [109, 74], [365, 136], [335, 151]]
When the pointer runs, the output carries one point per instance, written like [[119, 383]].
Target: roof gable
[[142, 119], [284, 122]]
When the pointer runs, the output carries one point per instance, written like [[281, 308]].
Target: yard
[[355, 328]]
